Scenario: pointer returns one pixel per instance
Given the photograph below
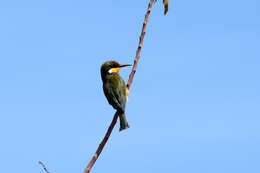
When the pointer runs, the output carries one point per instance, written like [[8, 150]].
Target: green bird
[[115, 89]]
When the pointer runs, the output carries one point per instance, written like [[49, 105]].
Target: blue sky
[[194, 104]]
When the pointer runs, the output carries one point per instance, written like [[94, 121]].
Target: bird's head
[[111, 67]]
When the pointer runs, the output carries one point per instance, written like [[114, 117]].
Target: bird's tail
[[123, 122]]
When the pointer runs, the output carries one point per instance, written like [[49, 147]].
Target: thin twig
[[140, 45], [130, 80], [102, 144], [44, 167]]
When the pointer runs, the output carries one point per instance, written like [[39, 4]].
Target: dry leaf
[[165, 3]]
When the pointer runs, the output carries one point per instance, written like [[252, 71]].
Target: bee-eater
[[115, 89]]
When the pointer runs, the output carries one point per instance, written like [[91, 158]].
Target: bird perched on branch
[[115, 89]]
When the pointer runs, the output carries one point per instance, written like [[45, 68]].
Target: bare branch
[[130, 80], [102, 144], [140, 45], [44, 167]]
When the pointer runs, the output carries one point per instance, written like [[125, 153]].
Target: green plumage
[[115, 90]]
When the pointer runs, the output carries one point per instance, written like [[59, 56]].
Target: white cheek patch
[[114, 70], [110, 71]]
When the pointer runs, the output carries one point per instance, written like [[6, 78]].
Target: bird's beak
[[117, 69], [125, 65]]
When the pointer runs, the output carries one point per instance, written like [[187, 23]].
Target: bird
[[115, 90]]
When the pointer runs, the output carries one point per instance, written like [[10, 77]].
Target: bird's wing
[[116, 93], [121, 93]]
